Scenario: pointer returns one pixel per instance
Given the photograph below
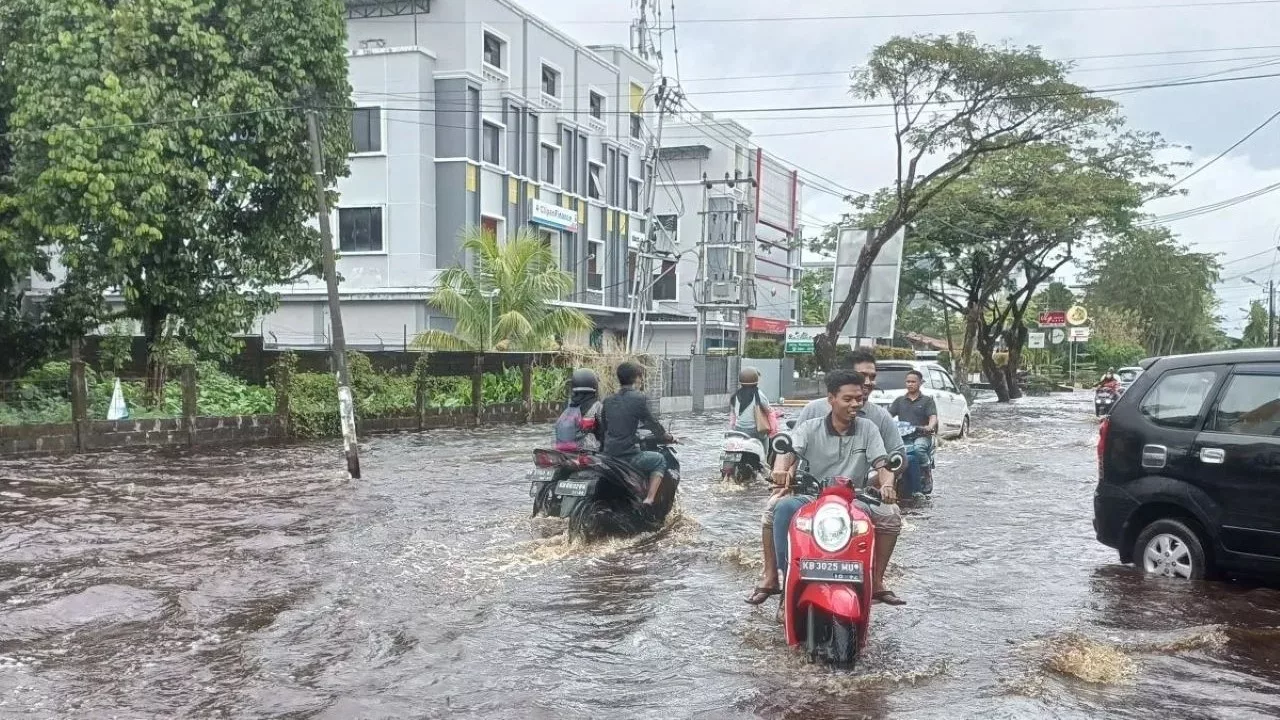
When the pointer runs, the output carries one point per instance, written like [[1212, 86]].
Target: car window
[[1127, 375], [1177, 398], [947, 383], [891, 378], [1249, 406], [935, 379]]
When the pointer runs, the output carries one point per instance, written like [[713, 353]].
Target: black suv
[[1189, 467]]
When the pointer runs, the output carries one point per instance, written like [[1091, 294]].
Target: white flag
[[117, 410]]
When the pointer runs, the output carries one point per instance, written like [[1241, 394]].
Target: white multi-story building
[[477, 113], [710, 147]]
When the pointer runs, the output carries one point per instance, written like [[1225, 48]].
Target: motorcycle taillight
[[547, 459]]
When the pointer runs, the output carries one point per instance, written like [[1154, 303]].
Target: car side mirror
[[781, 444]]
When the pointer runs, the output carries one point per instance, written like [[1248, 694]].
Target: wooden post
[[190, 396], [283, 376], [477, 386], [420, 395], [526, 387], [79, 397]]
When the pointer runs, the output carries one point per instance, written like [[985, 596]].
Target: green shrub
[[763, 349]]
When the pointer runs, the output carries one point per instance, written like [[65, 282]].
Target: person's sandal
[[761, 595], [888, 598]]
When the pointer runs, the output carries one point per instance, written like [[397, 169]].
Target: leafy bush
[[1039, 385], [884, 352], [763, 349]]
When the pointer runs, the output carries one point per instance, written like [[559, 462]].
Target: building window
[[494, 47], [550, 163], [664, 282], [633, 195], [596, 101], [594, 189], [550, 81], [491, 143], [637, 125], [360, 229], [366, 129], [595, 261], [489, 226], [668, 230]]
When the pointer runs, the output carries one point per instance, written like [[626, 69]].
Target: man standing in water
[[626, 412], [864, 363]]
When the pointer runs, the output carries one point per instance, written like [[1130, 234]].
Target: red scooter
[[826, 600]]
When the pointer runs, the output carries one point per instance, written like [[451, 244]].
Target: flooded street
[[262, 584]]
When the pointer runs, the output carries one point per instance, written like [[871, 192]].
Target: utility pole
[[726, 230], [1271, 313], [346, 406]]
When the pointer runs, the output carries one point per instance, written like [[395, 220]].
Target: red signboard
[[1053, 318], [770, 326]]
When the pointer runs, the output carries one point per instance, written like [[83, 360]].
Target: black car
[[1189, 467]]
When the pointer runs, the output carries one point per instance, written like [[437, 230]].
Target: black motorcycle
[[602, 496]]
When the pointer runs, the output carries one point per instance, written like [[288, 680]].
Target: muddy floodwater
[[260, 583]]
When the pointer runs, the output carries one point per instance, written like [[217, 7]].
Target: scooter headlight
[[832, 527]]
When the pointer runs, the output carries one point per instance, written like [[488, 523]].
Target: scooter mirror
[[781, 444], [896, 462]]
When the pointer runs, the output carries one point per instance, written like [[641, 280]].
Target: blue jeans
[[918, 459]]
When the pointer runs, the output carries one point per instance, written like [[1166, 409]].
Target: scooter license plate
[[538, 478], [831, 571], [571, 488], [731, 457]]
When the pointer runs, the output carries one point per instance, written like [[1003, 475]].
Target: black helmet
[[585, 379]]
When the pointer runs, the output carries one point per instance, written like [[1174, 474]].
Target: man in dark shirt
[[922, 412], [626, 412]]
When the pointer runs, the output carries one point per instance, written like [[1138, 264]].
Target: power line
[[1224, 153]]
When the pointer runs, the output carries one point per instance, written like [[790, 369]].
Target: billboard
[[777, 193], [874, 313], [1053, 319]]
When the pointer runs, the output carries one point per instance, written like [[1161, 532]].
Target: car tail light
[[1102, 438]]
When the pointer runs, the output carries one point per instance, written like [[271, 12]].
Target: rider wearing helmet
[[579, 428]]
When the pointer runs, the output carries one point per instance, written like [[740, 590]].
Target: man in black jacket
[[626, 412]]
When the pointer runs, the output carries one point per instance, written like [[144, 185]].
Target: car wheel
[[964, 428], [1171, 549]]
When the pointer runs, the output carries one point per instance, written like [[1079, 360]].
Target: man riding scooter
[[921, 412], [864, 363], [623, 414], [842, 445]]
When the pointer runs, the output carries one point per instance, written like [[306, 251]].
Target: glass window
[[594, 190], [1249, 406], [1176, 399], [366, 130], [637, 125], [947, 383], [550, 81], [595, 263], [935, 379], [360, 229], [550, 164], [633, 192], [493, 49], [892, 378], [664, 286], [597, 105], [491, 144]]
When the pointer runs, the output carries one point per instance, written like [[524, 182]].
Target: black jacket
[[624, 414]]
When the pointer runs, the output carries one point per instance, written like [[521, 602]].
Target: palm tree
[[504, 302]]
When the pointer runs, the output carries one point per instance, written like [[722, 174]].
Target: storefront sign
[[800, 339], [767, 326], [1053, 319], [1080, 334], [553, 216]]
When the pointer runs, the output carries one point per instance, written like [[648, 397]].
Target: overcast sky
[[856, 154]]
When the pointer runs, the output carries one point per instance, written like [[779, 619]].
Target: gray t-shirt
[[829, 454], [889, 434], [917, 412]]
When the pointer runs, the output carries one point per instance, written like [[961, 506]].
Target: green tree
[[815, 296], [1165, 286], [160, 147], [504, 302], [955, 102], [1005, 230], [1256, 330]]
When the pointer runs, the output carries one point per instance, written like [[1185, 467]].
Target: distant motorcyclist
[[749, 408], [623, 414], [921, 412], [1109, 380], [579, 428]]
